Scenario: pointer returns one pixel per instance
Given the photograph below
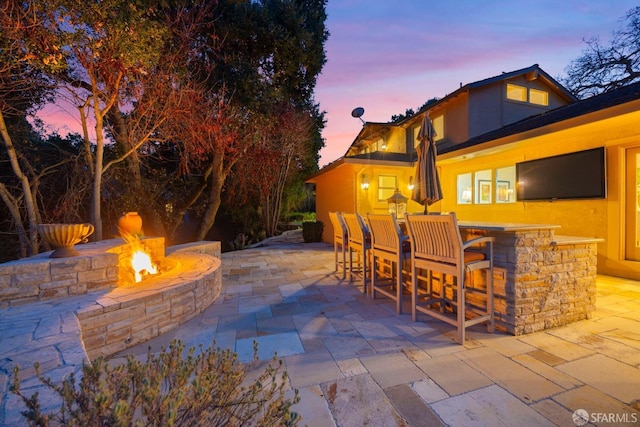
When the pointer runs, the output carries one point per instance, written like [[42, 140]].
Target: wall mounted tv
[[578, 175]]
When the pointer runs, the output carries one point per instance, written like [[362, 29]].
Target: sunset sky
[[387, 56]]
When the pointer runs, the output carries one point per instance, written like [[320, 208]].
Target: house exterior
[[486, 128]]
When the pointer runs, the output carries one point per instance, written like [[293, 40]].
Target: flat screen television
[[578, 175]]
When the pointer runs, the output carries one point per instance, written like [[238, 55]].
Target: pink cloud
[[390, 56]]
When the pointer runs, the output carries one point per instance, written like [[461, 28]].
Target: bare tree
[[99, 49], [21, 88], [603, 68]]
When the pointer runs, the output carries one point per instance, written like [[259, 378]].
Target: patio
[[356, 362]]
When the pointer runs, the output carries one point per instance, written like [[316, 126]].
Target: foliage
[[185, 89], [312, 231], [205, 388], [603, 68], [396, 118]]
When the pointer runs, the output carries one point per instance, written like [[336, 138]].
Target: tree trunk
[[14, 210], [153, 219], [30, 206], [218, 176], [96, 214]]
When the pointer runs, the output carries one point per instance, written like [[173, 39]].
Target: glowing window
[[438, 127], [465, 189], [387, 185], [539, 97], [516, 93]]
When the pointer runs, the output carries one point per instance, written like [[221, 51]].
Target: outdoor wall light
[[383, 146], [411, 184], [365, 182]]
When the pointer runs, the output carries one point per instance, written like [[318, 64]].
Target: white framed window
[[465, 189], [505, 185], [387, 185], [483, 187]]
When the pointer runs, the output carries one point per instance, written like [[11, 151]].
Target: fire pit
[[116, 311]]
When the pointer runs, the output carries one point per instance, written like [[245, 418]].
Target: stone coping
[[574, 240], [505, 226]]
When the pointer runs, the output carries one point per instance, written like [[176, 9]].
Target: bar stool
[[340, 239], [359, 242]]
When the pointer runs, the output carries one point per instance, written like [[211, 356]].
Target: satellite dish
[[357, 112]]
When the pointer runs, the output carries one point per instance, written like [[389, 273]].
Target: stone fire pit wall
[[96, 268], [114, 313], [129, 315]]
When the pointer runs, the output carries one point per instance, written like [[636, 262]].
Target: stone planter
[[63, 237]]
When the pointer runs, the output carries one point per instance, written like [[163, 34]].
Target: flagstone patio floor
[[356, 362]]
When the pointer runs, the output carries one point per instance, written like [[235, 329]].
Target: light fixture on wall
[[364, 184], [383, 147], [466, 196], [411, 184]]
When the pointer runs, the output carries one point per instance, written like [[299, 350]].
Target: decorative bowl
[[64, 236]]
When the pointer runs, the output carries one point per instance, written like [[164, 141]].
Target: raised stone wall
[[100, 265], [120, 313], [127, 316], [540, 280]]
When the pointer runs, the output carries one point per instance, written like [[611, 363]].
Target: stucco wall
[[602, 218]]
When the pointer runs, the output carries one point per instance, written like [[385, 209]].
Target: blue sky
[[387, 56]]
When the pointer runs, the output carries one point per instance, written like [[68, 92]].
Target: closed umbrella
[[427, 188]]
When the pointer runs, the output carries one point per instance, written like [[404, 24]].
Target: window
[[539, 97], [380, 145], [465, 194], [505, 185], [387, 185], [524, 94], [483, 187], [516, 93], [438, 127]]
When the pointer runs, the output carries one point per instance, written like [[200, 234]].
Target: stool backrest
[[386, 234], [435, 238]]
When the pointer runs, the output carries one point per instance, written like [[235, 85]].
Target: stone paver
[[356, 362]]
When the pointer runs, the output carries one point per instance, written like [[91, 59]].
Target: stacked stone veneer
[[99, 265], [117, 313], [541, 281]]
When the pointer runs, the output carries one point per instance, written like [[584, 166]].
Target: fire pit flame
[[142, 265]]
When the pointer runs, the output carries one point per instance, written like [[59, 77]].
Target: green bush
[[207, 389], [312, 231]]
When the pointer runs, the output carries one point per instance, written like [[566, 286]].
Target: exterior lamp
[[411, 184], [365, 182], [397, 204]]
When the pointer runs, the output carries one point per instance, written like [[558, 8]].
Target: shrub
[[207, 389], [312, 231]]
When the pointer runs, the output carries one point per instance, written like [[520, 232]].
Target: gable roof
[[590, 105], [532, 72]]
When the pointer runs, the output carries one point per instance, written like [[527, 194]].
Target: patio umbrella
[[427, 188]]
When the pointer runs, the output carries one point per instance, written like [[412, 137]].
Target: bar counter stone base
[[540, 280]]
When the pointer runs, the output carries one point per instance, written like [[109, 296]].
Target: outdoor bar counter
[[541, 280]]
